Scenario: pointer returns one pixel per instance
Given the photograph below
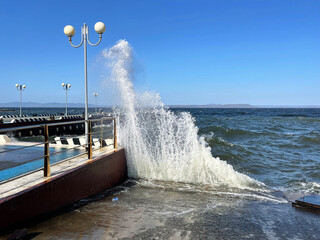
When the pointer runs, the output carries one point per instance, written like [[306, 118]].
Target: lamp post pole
[[69, 30], [66, 87], [95, 98], [20, 88], [85, 32]]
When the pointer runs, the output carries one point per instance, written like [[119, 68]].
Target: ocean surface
[[279, 148]]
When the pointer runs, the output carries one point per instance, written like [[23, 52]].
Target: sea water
[[201, 173]]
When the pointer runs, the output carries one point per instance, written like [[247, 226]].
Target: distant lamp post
[[69, 30], [20, 88], [95, 97], [66, 87]]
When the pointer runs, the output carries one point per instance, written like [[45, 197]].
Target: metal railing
[[88, 145]]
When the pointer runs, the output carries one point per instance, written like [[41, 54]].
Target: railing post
[[89, 149], [101, 136], [46, 164], [115, 142]]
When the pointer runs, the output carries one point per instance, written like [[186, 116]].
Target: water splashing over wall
[[162, 145]]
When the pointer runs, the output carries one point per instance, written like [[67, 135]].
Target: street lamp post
[[20, 88], [66, 87], [95, 97], [69, 30]]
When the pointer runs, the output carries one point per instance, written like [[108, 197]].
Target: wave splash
[[162, 145]]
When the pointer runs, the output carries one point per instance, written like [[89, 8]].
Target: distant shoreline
[[7, 106], [242, 106]]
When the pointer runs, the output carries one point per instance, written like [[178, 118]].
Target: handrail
[[52, 124], [46, 126]]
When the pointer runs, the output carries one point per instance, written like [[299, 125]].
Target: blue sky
[[262, 52]]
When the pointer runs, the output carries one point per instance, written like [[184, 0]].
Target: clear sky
[[191, 52]]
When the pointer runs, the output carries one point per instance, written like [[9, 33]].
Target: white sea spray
[[159, 144]]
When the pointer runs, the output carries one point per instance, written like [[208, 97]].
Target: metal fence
[[97, 135]]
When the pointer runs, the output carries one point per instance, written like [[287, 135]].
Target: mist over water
[[160, 144]]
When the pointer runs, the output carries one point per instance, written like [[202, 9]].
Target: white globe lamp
[[99, 27], [69, 31]]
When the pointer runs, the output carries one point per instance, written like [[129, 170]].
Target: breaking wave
[[159, 144]]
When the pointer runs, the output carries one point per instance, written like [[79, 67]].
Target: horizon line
[[211, 105]]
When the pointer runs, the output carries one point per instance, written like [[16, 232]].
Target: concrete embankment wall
[[56, 192]]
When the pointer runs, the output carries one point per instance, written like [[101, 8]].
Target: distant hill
[[81, 105], [214, 106], [242, 106], [289, 106]]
